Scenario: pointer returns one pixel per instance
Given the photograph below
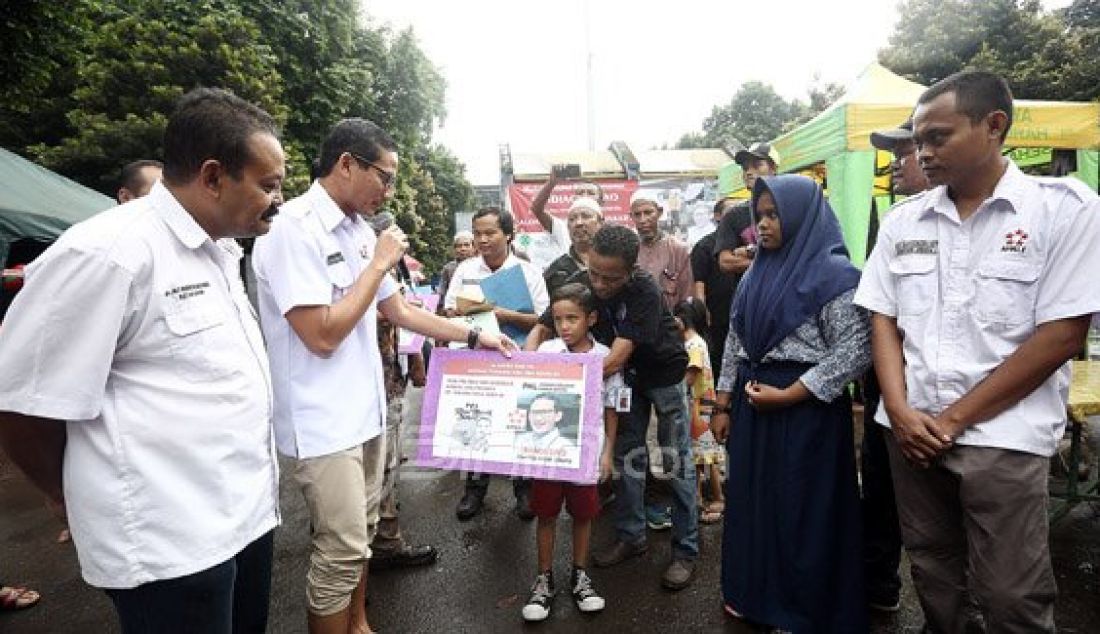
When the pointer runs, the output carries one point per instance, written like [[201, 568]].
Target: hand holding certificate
[[535, 415]]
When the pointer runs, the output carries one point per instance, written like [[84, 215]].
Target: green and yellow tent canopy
[[840, 139]]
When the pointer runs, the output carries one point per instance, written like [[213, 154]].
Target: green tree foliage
[[758, 113], [142, 57], [90, 84], [1043, 55]]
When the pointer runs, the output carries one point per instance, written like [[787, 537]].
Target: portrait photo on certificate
[[535, 415]]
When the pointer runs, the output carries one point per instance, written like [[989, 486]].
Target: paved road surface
[[482, 577]]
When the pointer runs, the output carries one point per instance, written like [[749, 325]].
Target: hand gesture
[[919, 437], [500, 343], [766, 397], [390, 248]]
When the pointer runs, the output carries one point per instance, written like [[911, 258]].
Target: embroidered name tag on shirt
[[187, 291], [335, 258], [917, 247]]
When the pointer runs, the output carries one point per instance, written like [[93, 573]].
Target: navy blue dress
[[791, 550]]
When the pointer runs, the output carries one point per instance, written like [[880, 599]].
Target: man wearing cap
[[664, 256], [558, 228], [463, 249], [323, 276], [585, 218], [906, 177], [734, 238], [881, 533]]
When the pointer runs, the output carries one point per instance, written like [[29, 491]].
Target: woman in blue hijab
[[791, 551]]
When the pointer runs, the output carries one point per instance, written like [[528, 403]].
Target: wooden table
[[1084, 401]]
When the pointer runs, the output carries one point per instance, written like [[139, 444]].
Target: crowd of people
[[142, 394]]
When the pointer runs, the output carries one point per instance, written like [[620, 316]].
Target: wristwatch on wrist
[[721, 409], [472, 337]]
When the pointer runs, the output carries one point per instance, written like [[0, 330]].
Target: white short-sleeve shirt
[[134, 327], [311, 257], [967, 294], [471, 271]]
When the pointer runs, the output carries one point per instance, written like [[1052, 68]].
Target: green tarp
[[37, 204]]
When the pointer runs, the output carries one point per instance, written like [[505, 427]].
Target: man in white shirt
[[322, 277], [980, 297], [134, 388], [494, 231]]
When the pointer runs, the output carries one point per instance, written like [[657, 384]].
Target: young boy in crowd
[[574, 310]]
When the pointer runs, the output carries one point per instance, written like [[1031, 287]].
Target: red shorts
[[581, 500]]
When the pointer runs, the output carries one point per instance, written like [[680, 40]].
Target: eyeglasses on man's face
[[387, 177]]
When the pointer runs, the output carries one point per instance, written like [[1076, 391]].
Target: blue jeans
[[632, 464], [230, 598]]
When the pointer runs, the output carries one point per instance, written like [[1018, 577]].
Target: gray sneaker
[[679, 574]]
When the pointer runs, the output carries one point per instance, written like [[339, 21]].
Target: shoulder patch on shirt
[[917, 247], [334, 258]]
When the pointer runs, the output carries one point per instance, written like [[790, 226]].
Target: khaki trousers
[[977, 518], [342, 491]]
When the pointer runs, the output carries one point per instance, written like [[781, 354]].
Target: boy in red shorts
[[574, 311]]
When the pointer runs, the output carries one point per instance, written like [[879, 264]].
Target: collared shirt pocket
[[1006, 291], [197, 340], [916, 284], [340, 276]]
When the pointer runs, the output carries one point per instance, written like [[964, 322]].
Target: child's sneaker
[[584, 592], [542, 595]]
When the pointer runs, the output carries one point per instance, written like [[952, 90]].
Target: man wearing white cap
[[662, 255], [559, 230], [585, 218]]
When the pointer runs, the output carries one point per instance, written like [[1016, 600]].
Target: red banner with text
[[616, 202]]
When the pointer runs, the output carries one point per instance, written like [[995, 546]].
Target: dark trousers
[[976, 520], [230, 598], [479, 483], [881, 533]]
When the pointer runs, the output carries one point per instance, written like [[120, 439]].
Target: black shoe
[[404, 557], [470, 505], [523, 507]]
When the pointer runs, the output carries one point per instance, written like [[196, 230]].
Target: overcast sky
[[515, 70]]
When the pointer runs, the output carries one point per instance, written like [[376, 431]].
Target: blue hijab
[[785, 287]]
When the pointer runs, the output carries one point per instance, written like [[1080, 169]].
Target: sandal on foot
[[17, 598], [712, 513]]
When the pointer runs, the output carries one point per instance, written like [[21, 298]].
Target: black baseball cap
[[757, 151], [889, 139]]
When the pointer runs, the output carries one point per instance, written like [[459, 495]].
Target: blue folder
[[507, 288]]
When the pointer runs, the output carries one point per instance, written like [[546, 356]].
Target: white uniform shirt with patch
[[967, 294], [311, 257], [134, 327], [471, 271]]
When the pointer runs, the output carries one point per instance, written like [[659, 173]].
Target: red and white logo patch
[[1015, 242]]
